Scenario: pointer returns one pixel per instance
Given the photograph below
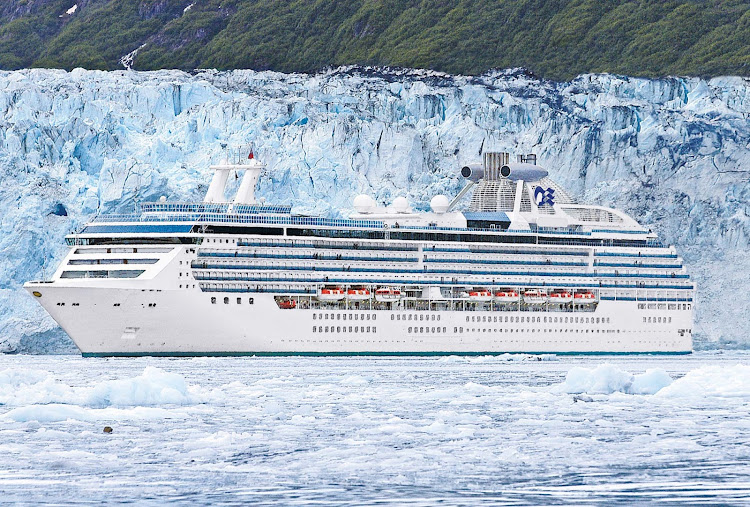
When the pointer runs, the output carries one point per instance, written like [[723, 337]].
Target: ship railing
[[324, 222], [221, 208]]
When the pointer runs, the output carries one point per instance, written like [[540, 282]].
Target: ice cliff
[[675, 153]]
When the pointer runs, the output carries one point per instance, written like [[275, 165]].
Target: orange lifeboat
[[584, 297], [358, 294], [287, 304], [535, 297], [331, 294], [560, 297], [387, 294], [480, 295], [506, 296]]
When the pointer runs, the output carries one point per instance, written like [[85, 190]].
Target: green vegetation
[[556, 39]]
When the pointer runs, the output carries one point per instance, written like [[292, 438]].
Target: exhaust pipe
[[473, 172]]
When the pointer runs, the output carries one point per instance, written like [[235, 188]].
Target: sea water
[[348, 430]]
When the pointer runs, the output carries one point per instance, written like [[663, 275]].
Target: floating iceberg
[[608, 379], [711, 382], [154, 387]]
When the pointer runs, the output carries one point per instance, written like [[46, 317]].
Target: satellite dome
[[440, 204], [400, 205], [364, 204]]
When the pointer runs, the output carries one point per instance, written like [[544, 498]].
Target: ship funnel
[[242, 159]]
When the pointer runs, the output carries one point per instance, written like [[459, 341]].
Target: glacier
[[672, 152]]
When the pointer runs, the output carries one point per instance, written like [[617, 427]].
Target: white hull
[[185, 322]]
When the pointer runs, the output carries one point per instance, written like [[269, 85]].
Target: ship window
[[368, 329], [374, 329], [226, 301], [315, 316], [326, 329], [373, 318], [393, 317], [250, 301], [239, 301], [213, 301], [338, 329]]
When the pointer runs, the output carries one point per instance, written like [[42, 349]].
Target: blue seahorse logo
[[544, 196]]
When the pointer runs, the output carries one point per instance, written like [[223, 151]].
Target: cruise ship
[[524, 269]]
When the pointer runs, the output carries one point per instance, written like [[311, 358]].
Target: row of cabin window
[[583, 320], [657, 320], [342, 329], [239, 301], [428, 330], [343, 316], [545, 330], [664, 306], [422, 316]]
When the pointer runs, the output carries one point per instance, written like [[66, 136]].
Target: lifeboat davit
[[358, 294], [480, 295], [287, 304], [535, 297], [387, 294], [331, 294], [506, 296], [560, 297], [584, 297]]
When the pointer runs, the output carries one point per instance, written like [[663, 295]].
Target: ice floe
[[608, 379]]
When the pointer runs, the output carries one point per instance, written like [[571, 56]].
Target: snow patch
[[127, 60], [70, 11]]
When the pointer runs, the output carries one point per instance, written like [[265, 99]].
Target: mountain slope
[[553, 38]]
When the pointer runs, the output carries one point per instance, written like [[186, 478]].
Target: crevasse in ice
[[672, 152]]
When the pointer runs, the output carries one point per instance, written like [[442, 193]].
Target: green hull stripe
[[381, 354]]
